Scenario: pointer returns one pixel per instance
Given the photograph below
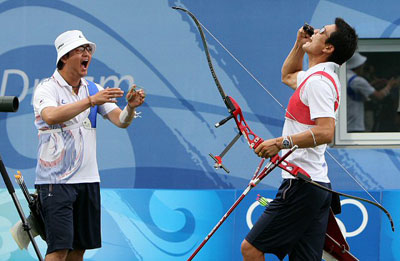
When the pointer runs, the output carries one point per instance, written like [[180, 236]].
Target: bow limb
[[300, 173], [233, 108], [210, 64], [356, 198]]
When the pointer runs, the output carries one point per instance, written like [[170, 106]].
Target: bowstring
[[283, 107], [243, 67]]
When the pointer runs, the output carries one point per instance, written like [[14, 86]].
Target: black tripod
[[25, 223], [10, 104]]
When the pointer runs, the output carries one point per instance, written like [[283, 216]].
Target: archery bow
[[233, 108], [253, 140]]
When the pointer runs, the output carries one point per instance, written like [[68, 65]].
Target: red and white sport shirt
[[317, 96]]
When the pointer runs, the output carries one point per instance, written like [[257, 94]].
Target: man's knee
[[78, 252], [76, 255], [248, 250], [57, 255], [244, 248]]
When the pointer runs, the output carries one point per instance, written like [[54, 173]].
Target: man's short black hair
[[60, 63], [344, 39]]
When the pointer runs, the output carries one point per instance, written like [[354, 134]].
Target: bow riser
[[252, 139], [236, 113]]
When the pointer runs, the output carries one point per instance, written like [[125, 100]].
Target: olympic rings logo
[[364, 221], [342, 227]]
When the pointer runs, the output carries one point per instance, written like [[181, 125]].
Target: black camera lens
[[9, 104], [308, 29]]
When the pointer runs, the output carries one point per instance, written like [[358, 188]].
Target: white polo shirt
[[319, 94], [68, 156]]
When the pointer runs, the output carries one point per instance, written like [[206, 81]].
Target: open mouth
[[85, 64]]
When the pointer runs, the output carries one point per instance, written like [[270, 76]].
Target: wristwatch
[[286, 144]]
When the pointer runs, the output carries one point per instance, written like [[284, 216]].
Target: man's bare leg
[[250, 253], [59, 255], [75, 255]]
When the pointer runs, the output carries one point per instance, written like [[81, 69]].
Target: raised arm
[[123, 118], [60, 114], [294, 62]]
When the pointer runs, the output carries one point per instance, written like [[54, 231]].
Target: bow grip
[[257, 143]]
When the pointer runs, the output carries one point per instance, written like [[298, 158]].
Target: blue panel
[[168, 147], [144, 224], [164, 224], [390, 242]]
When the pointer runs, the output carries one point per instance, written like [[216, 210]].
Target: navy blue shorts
[[294, 222], [71, 215]]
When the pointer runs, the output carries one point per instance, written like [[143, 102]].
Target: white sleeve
[[300, 78], [320, 97], [360, 85], [44, 96], [107, 107]]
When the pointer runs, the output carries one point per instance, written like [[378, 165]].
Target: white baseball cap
[[70, 40], [356, 60]]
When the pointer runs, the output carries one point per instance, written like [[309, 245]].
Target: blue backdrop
[[158, 48]]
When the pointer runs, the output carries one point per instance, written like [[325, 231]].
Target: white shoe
[[20, 235]]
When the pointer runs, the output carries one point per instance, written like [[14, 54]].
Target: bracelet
[[312, 134], [90, 101], [291, 141]]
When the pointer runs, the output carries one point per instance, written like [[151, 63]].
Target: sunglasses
[[82, 48]]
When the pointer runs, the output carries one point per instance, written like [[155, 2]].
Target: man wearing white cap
[[67, 176], [359, 90]]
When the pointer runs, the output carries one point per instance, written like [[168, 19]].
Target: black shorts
[[294, 222], [71, 215]]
